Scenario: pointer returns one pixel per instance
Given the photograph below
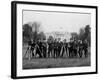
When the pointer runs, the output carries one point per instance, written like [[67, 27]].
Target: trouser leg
[[54, 53], [80, 52], [85, 50]]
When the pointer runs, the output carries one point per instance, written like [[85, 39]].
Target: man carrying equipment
[[39, 49], [32, 48]]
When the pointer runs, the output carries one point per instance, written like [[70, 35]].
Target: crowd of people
[[57, 48]]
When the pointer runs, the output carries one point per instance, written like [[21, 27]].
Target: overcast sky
[[55, 21]]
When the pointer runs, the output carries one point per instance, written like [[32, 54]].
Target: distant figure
[[70, 47], [50, 48], [59, 48], [55, 48], [85, 48], [75, 44], [80, 48], [44, 49]]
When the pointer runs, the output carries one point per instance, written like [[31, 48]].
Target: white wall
[[5, 41]]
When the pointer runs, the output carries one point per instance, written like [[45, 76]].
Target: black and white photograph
[[53, 39], [56, 39]]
